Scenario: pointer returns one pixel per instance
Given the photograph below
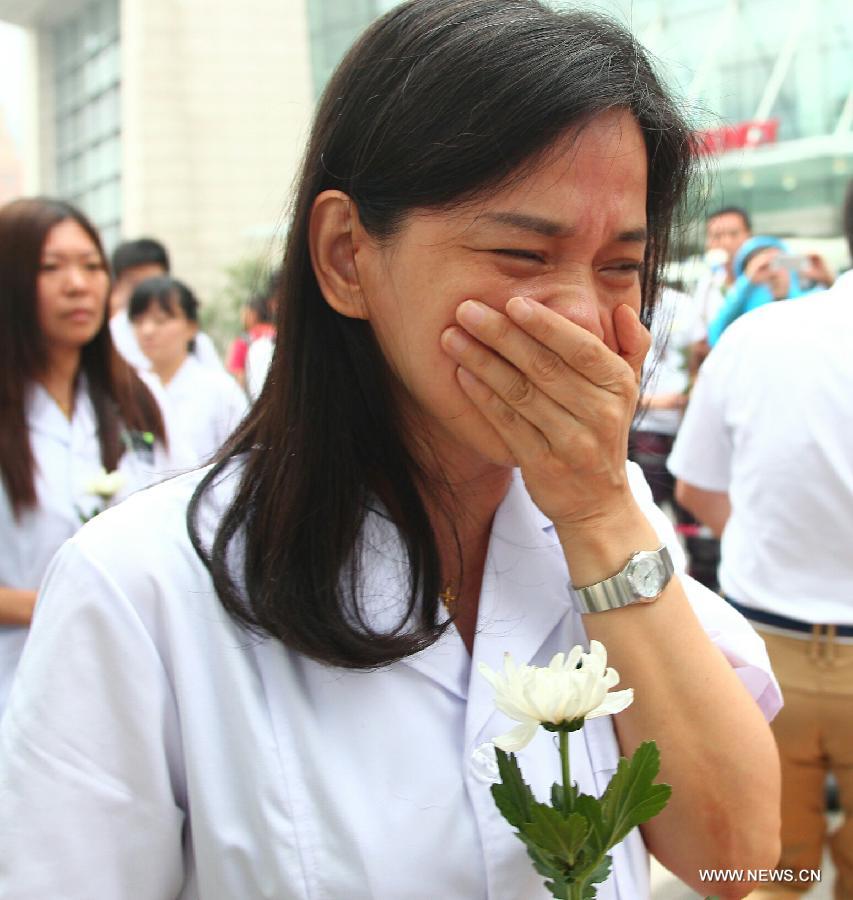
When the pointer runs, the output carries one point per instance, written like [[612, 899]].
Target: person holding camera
[[765, 271]]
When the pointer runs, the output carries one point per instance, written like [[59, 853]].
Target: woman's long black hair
[[120, 399], [437, 101]]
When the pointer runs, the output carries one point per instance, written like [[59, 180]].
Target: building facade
[[179, 119], [768, 83], [770, 86], [185, 119]]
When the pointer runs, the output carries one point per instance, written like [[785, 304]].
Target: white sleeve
[[91, 775], [728, 630], [702, 451]]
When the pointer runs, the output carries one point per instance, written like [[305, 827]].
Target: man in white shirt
[[763, 457], [133, 262]]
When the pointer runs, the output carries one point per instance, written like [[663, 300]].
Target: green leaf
[[597, 876], [562, 837], [564, 799], [560, 887], [544, 863], [631, 798], [512, 796], [590, 808]]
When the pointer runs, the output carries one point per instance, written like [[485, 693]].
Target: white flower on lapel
[[560, 696], [106, 484]]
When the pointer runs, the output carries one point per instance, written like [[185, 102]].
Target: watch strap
[[617, 591]]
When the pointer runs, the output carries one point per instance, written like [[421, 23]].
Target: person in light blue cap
[[759, 279]]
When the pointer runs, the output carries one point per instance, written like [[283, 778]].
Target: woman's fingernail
[[520, 309], [471, 312], [456, 339]]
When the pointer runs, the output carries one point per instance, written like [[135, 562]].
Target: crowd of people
[[752, 443], [257, 677], [109, 386]]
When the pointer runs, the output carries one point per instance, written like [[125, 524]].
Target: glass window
[[88, 151], [109, 19]]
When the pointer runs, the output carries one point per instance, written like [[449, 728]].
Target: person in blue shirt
[[760, 278]]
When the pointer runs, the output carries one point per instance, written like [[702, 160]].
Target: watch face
[[646, 576]]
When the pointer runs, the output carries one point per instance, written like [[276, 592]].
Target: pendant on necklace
[[449, 599]]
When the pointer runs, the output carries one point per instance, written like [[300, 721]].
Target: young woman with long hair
[[70, 407], [288, 663]]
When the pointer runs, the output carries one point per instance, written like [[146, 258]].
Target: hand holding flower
[[568, 840]]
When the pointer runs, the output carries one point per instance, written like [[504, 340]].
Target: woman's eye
[[627, 267], [520, 254]]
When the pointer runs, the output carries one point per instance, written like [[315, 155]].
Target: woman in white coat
[[205, 404], [71, 408], [274, 701]]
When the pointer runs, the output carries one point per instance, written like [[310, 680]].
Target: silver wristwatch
[[642, 580]]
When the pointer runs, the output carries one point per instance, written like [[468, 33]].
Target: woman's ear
[[334, 218]]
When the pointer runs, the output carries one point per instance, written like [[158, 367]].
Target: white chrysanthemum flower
[[106, 484], [570, 689]]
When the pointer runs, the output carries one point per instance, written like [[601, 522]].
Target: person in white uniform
[[133, 262], [763, 457], [205, 404], [70, 405], [273, 700]]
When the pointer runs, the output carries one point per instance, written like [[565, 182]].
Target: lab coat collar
[[524, 597], [45, 417]]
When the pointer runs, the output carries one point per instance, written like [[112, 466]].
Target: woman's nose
[[583, 305], [75, 278]]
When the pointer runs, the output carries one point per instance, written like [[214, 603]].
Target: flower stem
[[567, 774]]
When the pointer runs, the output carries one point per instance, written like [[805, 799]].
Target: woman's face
[[71, 287], [164, 337], [571, 235]]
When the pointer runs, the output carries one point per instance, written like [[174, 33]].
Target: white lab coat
[[160, 752], [67, 457], [205, 406]]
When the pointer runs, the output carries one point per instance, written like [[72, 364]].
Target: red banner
[[736, 137]]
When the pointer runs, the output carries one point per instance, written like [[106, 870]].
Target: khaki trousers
[[814, 732]]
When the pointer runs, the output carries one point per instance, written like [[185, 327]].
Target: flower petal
[[611, 678], [613, 703], [494, 679], [518, 738]]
